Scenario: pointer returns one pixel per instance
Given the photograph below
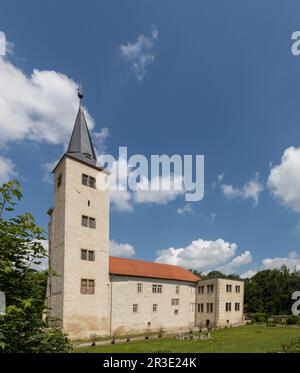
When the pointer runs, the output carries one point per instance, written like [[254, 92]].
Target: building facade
[[93, 293]]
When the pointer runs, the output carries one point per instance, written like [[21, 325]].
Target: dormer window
[[87, 155]]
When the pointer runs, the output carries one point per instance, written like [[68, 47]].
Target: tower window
[[91, 255], [237, 306], [92, 223], [176, 312], [84, 221], [134, 308], [88, 181], [92, 182], [88, 222], [83, 254], [228, 288], [89, 203], [237, 289], [87, 286], [177, 289], [154, 307], [59, 180], [139, 287], [85, 179]]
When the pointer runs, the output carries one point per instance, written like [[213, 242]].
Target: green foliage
[[293, 320], [292, 346], [21, 251], [270, 291], [259, 317]]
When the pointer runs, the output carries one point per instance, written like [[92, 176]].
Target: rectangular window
[[228, 288], [177, 289], [228, 307], [200, 307], [154, 307], [59, 180], [237, 289], [88, 181], [85, 179], [201, 289], [83, 254], [210, 288], [176, 312], [91, 255], [237, 306], [87, 286], [139, 288], [92, 223], [175, 302], [134, 308], [211, 309], [92, 182], [84, 221], [156, 288], [83, 287]]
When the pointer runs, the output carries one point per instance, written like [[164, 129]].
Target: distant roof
[[140, 268]]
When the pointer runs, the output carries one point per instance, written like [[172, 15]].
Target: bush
[[259, 317], [292, 346], [293, 320]]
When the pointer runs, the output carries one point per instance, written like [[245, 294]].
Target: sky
[[214, 77]]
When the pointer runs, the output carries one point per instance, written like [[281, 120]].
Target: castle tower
[[79, 239]]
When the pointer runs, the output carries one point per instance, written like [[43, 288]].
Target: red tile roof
[[140, 268]]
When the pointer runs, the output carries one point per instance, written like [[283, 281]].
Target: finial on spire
[[80, 92]]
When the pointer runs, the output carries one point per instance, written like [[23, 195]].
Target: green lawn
[[248, 338]]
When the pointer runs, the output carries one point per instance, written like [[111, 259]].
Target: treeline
[[268, 291]]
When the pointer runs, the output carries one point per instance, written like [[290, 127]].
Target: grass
[[248, 338]]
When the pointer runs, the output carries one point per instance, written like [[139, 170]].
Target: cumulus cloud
[[40, 107], [284, 179], [292, 261], [7, 169], [186, 209], [140, 54], [205, 255], [124, 250], [251, 190], [248, 274], [161, 193]]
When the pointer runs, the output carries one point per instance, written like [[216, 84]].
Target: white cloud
[[284, 179], [186, 209], [236, 263], [248, 274], [140, 54], [100, 138], [251, 190], [292, 261], [48, 168], [40, 107], [124, 250], [159, 194], [7, 169], [205, 255]]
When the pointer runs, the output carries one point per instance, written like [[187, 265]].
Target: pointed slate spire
[[81, 146]]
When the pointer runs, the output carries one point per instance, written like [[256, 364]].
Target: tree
[[23, 329]]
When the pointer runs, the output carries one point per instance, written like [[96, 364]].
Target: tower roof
[[81, 146]]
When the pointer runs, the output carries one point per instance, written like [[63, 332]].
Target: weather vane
[[80, 92]]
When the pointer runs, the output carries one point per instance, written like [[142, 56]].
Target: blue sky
[[199, 77]]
